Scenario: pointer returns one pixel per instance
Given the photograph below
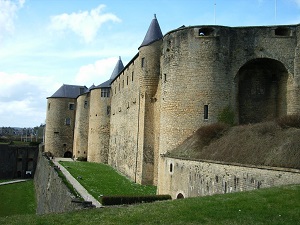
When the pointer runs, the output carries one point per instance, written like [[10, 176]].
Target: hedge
[[125, 200]]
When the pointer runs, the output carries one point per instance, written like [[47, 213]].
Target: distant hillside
[[274, 144]]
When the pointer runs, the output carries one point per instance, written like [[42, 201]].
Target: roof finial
[[154, 16]]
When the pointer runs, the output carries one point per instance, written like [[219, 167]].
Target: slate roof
[[69, 91], [153, 34], [118, 68]]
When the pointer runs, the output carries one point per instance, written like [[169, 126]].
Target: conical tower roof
[[153, 34], [118, 68]]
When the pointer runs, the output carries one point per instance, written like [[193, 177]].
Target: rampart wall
[[52, 195], [200, 178]]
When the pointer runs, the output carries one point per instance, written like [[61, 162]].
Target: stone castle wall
[[99, 117], [125, 129], [52, 195], [59, 134], [80, 148], [200, 178]]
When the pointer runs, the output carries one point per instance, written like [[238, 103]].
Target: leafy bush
[[81, 159], [226, 116], [289, 121], [121, 200]]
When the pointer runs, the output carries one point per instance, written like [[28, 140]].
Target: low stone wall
[[186, 178], [52, 194]]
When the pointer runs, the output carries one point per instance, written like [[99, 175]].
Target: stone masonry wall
[[51, 193], [200, 69], [99, 118], [80, 148], [58, 134], [126, 139], [199, 178]]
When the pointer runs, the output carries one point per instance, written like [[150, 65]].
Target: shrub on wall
[[124, 200], [207, 133], [226, 116]]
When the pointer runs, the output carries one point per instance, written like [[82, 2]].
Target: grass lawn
[[264, 206], [101, 179], [18, 198]]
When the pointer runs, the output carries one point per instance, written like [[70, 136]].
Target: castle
[[175, 84]]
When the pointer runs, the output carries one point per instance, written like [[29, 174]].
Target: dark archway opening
[[68, 154], [262, 85], [180, 195]]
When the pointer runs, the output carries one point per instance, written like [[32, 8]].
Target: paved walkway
[[12, 182], [81, 190]]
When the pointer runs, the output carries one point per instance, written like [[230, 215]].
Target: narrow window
[[48, 106], [165, 77], [115, 90], [171, 167], [143, 62], [85, 104], [127, 80], [119, 86], [68, 121], [71, 106], [132, 76], [205, 112]]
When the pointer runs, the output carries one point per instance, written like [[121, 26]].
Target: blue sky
[[47, 43]]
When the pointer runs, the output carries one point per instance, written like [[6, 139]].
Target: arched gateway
[[262, 89]]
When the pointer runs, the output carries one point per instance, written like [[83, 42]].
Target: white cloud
[[23, 99], [96, 73], [85, 24], [8, 13]]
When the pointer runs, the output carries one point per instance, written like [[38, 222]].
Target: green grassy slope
[[279, 205], [17, 198], [101, 179]]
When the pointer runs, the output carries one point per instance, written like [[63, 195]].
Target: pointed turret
[[153, 34], [118, 68]]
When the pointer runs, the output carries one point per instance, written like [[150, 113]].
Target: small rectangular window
[[71, 106], [165, 77], [85, 104], [127, 81], [143, 62], [132, 76], [205, 112], [48, 106], [68, 121]]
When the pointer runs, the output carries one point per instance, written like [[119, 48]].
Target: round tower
[[60, 120], [149, 73], [99, 119], [81, 130]]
